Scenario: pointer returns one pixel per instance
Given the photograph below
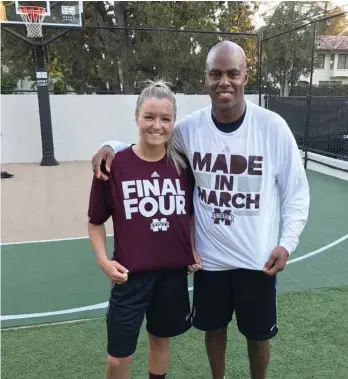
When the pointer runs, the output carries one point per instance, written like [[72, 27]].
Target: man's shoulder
[[193, 119], [266, 118], [264, 113]]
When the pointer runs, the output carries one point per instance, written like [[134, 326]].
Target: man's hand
[[114, 271], [105, 153], [277, 261], [198, 262]]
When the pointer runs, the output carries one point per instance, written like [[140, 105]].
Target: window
[[332, 61], [342, 61], [320, 61]]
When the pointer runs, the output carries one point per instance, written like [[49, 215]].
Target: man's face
[[226, 78]]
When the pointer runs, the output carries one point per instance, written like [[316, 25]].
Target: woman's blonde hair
[[160, 90]]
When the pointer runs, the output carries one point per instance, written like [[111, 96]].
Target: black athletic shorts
[[162, 296], [250, 294]]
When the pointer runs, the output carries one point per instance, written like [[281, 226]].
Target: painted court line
[[47, 241], [105, 304], [315, 252]]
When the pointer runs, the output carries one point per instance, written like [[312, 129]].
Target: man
[[245, 161]]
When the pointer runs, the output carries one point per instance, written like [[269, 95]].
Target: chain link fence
[[304, 78]]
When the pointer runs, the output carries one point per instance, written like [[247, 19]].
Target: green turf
[[312, 343]]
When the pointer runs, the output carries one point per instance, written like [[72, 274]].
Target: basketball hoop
[[33, 18]]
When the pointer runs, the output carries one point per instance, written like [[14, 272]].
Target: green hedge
[[8, 82]]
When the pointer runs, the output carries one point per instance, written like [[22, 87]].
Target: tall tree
[[287, 57], [237, 17]]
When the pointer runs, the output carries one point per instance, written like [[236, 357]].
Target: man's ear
[[246, 78], [206, 80]]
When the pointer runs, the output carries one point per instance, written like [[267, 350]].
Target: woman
[[149, 197]]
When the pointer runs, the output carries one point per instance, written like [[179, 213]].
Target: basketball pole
[[48, 158]]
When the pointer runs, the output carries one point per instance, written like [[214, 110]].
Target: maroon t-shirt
[[151, 205]]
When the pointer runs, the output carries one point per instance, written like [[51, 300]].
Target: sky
[[268, 5]]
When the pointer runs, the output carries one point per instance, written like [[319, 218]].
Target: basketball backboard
[[58, 14]]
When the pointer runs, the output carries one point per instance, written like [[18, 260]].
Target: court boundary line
[[48, 241], [45, 324], [104, 305]]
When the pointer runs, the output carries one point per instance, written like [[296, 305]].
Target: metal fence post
[[259, 45], [266, 101], [309, 97], [306, 128]]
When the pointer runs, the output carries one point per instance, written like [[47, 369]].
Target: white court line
[[46, 241], [315, 252], [105, 304]]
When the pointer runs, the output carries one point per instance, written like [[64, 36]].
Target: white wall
[[337, 172], [80, 123]]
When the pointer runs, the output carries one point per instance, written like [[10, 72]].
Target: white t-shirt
[[241, 179]]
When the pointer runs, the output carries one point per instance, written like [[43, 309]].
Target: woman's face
[[155, 120]]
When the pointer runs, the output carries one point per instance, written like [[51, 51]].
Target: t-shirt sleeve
[[117, 146], [99, 209], [293, 184], [178, 138]]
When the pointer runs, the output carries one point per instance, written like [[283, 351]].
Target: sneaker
[[6, 175]]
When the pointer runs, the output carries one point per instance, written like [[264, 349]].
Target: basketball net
[[33, 18]]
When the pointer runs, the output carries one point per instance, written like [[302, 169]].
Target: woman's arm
[[116, 272], [99, 211], [97, 237], [198, 262]]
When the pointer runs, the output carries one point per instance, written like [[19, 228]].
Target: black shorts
[[162, 296], [250, 294]]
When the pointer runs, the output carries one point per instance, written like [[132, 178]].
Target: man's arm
[[294, 188], [178, 138], [116, 146], [293, 184], [106, 153]]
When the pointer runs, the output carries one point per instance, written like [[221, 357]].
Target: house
[[331, 66]]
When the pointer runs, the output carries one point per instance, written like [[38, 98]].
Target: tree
[[120, 60], [287, 57], [8, 82], [336, 26], [237, 17]]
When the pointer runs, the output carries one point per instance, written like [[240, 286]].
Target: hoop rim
[[31, 9]]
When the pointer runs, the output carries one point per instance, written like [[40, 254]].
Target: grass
[[312, 343]]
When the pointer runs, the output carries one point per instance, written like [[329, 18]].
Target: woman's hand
[[114, 271]]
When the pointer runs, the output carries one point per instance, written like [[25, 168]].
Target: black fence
[[316, 111], [319, 124]]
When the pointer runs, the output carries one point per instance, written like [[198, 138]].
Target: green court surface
[[60, 281], [62, 276]]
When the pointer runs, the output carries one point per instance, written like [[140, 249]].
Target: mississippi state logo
[[158, 225], [224, 217]]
